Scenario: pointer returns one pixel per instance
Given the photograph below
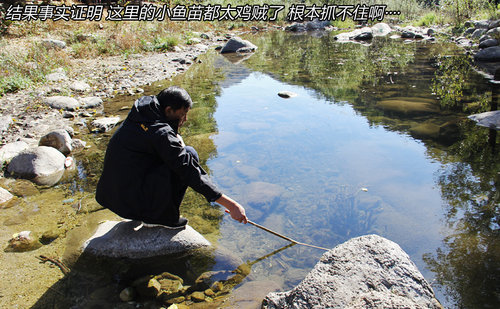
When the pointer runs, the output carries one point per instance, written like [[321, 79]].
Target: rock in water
[[489, 54], [42, 165], [287, 94], [22, 242], [118, 239], [237, 44], [365, 272], [488, 119]]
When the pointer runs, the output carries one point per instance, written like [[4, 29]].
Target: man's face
[[180, 114]]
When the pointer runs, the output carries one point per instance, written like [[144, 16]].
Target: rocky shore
[[67, 97]]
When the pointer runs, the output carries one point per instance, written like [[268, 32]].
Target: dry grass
[[24, 62]]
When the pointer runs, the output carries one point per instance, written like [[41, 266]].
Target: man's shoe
[[180, 224]]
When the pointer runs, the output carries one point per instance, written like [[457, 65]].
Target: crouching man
[[147, 167]]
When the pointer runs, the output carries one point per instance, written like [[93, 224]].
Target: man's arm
[[236, 211]]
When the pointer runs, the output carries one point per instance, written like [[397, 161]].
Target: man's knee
[[193, 152]]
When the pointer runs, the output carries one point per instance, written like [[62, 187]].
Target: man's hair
[[175, 97]]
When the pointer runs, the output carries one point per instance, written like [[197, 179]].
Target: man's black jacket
[[145, 168]]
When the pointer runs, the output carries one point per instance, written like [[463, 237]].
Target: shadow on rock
[[102, 276]]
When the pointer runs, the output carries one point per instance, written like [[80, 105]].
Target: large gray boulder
[[490, 54], [488, 43], [58, 139], [42, 165], [364, 272], [127, 239], [238, 45], [488, 119]]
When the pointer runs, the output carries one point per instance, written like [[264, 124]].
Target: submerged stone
[[22, 242], [127, 294], [408, 106], [262, 192], [198, 296]]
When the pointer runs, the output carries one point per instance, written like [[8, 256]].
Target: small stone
[[58, 139], [62, 102], [55, 77], [287, 94], [5, 196], [217, 286], [91, 102], [51, 43], [23, 241], [176, 300], [127, 294], [198, 296], [237, 44], [78, 144], [68, 115], [209, 293], [105, 124], [79, 86], [149, 289], [488, 43]]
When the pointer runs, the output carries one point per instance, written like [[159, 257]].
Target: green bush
[[14, 83], [166, 43], [427, 20]]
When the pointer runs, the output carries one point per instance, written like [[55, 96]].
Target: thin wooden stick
[[284, 237]]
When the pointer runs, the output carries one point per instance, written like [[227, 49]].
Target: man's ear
[[168, 110]]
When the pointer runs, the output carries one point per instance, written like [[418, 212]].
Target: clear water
[[336, 176], [334, 163]]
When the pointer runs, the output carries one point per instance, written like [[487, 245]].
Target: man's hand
[[236, 211]]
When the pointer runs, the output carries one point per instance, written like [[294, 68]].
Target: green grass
[[165, 43], [427, 20]]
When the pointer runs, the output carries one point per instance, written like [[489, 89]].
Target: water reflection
[[421, 90]]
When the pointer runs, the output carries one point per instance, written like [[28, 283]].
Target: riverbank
[[24, 116]]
